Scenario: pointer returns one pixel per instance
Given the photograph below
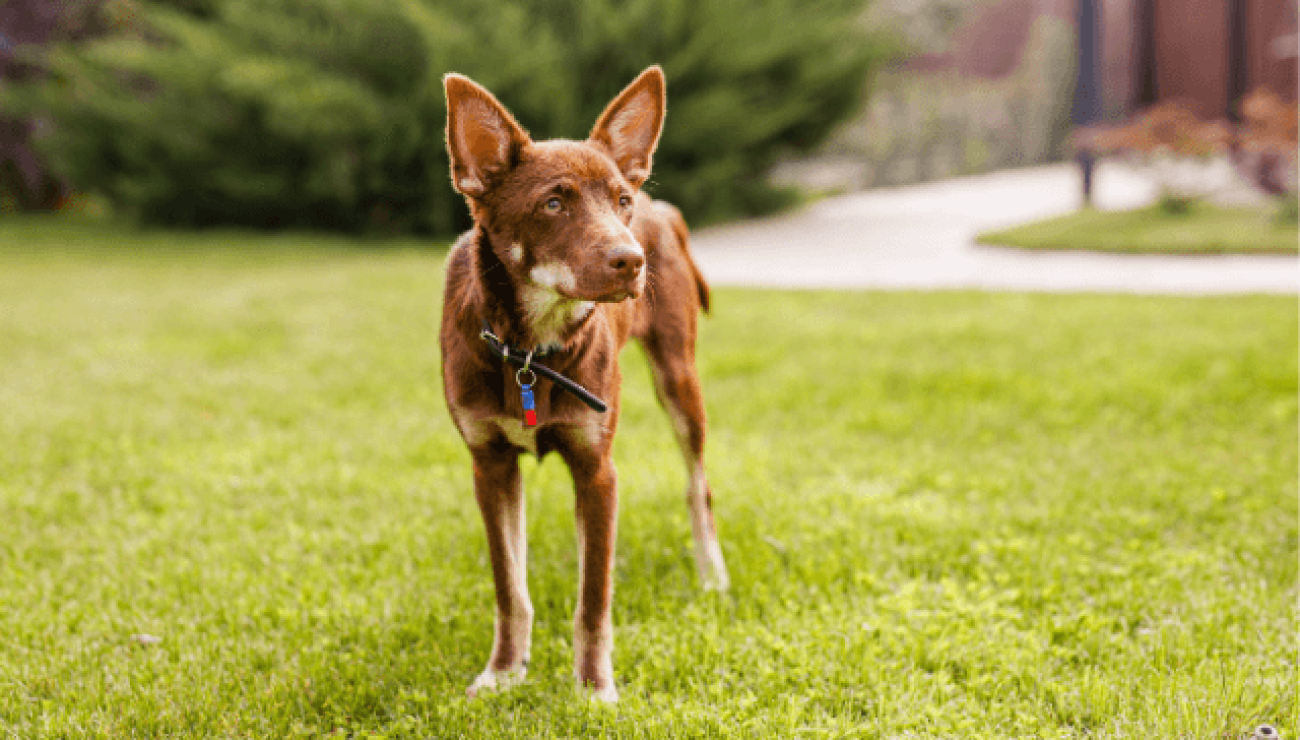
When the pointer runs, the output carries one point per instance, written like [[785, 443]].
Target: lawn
[[1204, 229], [951, 515]]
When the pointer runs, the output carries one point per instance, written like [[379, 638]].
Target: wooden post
[[1237, 59], [1087, 88], [1144, 55]]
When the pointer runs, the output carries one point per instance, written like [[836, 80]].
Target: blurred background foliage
[[987, 85], [330, 113]]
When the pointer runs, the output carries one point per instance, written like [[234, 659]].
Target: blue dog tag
[[530, 406]]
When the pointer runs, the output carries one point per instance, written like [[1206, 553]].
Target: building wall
[[1192, 50], [1192, 54], [1117, 52], [1271, 46]]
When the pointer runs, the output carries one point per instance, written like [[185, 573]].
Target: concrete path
[[922, 237]]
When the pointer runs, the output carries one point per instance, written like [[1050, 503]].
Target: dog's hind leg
[[678, 386], [500, 492]]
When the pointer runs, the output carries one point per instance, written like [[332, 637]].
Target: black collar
[[523, 359]]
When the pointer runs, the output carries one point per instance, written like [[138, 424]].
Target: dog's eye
[[554, 205], [624, 201]]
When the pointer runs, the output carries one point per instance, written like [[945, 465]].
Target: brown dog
[[567, 260]]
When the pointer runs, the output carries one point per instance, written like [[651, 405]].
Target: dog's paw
[[491, 681], [607, 694], [710, 565], [713, 573], [716, 581]]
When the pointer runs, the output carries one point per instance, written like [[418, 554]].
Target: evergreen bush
[[330, 113]]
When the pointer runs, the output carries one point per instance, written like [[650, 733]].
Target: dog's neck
[[527, 316]]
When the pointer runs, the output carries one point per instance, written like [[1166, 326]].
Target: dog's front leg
[[596, 490], [500, 493]]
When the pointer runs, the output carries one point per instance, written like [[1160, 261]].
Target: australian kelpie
[[566, 261]]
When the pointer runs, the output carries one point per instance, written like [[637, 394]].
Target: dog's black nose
[[627, 260]]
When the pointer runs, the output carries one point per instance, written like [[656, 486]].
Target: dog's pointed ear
[[483, 139], [629, 128]]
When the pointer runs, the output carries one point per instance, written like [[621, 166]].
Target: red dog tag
[[530, 406]]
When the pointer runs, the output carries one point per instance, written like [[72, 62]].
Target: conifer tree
[[330, 113]]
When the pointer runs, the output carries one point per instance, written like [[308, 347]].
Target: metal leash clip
[[519, 374], [494, 341]]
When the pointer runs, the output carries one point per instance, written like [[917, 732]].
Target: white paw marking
[[708, 553], [602, 644], [607, 695], [490, 681]]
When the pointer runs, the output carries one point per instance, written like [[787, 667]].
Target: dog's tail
[[684, 238]]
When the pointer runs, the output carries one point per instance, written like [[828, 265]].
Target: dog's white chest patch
[[549, 313], [516, 432], [591, 433], [481, 431]]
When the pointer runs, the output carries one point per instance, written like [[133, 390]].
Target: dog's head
[[558, 211]]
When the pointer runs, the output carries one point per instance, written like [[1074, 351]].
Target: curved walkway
[[922, 237]]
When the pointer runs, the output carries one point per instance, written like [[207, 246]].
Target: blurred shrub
[[1179, 147], [925, 125], [1268, 143], [1173, 143], [1167, 128], [1268, 150], [1288, 210], [330, 113], [25, 181]]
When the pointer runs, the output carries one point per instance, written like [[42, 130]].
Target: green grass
[[951, 515], [1205, 229]]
